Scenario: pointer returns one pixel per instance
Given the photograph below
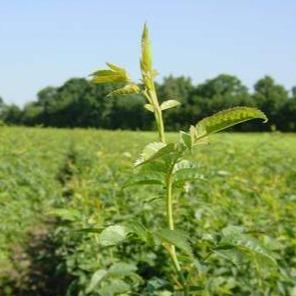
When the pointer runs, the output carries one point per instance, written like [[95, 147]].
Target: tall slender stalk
[[152, 97], [171, 248]]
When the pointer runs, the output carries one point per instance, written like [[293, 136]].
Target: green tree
[[1, 105], [287, 114], [222, 92], [45, 100], [270, 98], [293, 91], [78, 103], [11, 114]]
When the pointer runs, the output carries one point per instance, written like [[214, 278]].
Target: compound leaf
[[176, 238], [225, 119], [234, 236]]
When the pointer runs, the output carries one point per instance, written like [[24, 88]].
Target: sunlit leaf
[[96, 278], [149, 107], [113, 235], [187, 174], [169, 104], [128, 89], [184, 164], [154, 151], [113, 74], [225, 119]]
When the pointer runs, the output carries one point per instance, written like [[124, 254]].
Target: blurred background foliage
[[78, 103]]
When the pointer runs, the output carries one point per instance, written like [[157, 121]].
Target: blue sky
[[45, 42]]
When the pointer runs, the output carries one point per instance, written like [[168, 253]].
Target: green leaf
[[115, 68], [146, 59], [154, 167], [154, 151], [113, 74], [231, 254], [187, 174], [184, 171], [126, 90], [121, 269], [225, 119], [186, 139], [191, 289], [112, 235], [234, 236], [232, 232], [147, 179], [148, 152], [66, 214], [149, 107], [169, 104], [155, 284], [115, 287], [177, 238], [190, 139], [183, 164], [90, 230], [96, 278], [139, 230]]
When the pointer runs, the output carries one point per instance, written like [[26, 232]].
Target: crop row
[[64, 188]]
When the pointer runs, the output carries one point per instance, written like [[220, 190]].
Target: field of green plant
[[67, 213]]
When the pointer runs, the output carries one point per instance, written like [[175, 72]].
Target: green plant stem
[[158, 117], [170, 219], [152, 98]]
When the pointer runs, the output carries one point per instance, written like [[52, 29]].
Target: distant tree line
[[78, 103]]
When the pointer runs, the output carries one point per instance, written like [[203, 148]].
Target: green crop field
[[59, 190]]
